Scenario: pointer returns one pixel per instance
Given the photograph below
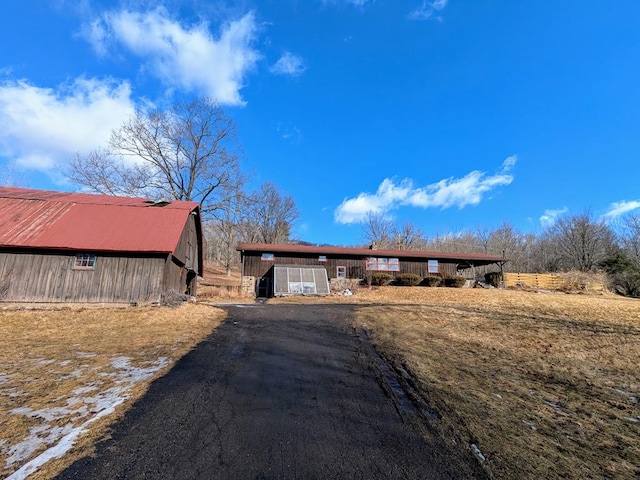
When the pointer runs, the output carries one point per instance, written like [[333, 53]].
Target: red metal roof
[[366, 252], [79, 221]]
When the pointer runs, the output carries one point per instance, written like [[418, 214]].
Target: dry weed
[[546, 385], [59, 367]]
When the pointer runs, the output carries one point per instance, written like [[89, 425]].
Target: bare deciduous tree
[[270, 215], [188, 152], [580, 242], [630, 237], [409, 237], [378, 230], [9, 177]]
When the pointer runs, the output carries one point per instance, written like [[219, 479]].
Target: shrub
[[454, 281], [493, 278], [380, 279], [408, 279], [432, 281]]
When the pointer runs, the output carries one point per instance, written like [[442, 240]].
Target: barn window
[[383, 264], [342, 272], [432, 266], [268, 256], [322, 258], [84, 261]]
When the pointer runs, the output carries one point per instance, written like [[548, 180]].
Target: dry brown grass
[[546, 385], [48, 355]]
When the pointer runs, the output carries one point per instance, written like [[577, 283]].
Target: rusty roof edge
[[15, 193]]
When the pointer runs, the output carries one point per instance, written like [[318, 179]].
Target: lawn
[[65, 374], [545, 385]]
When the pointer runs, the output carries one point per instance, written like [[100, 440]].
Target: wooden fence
[[549, 281]]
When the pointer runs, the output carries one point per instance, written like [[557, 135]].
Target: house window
[[432, 266], [84, 261], [342, 272], [322, 258], [268, 256], [383, 264]]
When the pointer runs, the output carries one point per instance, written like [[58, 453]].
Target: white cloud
[[509, 163], [42, 128], [290, 132], [550, 216], [187, 57], [450, 192], [620, 208], [289, 64], [428, 10], [357, 3]]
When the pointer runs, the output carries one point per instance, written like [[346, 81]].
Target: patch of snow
[[478, 453], [530, 424], [497, 395], [87, 388], [556, 407], [633, 420], [4, 379], [102, 403], [62, 447], [85, 354], [75, 374], [633, 399], [64, 363]]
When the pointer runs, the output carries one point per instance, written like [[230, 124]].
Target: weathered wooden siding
[[187, 249], [253, 265], [48, 277]]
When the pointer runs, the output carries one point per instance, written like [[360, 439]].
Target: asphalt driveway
[[277, 392]]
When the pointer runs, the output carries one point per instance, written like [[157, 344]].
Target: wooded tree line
[[574, 242]]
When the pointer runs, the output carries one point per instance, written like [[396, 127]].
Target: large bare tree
[[580, 242], [270, 216], [188, 152], [630, 237], [377, 230]]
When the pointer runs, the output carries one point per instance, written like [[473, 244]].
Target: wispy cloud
[[289, 64], [357, 3], [617, 209], [549, 216], [42, 128], [290, 132], [181, 56], [429, 10], [449, 192]]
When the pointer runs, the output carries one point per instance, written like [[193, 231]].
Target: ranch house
[[297, 269], [75, 247]]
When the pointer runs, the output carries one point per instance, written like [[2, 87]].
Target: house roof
[[478, 258], [79, 221]]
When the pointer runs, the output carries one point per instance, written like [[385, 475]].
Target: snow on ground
[[81, 406]]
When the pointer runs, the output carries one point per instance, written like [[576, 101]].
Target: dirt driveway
[[277, 392]]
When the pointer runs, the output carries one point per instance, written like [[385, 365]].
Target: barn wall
[[48, 277], [253, 265], [176, 276], [187, 250]]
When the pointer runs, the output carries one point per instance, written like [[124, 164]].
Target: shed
[[259, 259], [76, 247]]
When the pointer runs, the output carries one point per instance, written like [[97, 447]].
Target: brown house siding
[[253, 265]]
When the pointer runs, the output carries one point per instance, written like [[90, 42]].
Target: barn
[[76, 247], [269, 266]]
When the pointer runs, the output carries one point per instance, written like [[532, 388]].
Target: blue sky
[[447, 114]]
